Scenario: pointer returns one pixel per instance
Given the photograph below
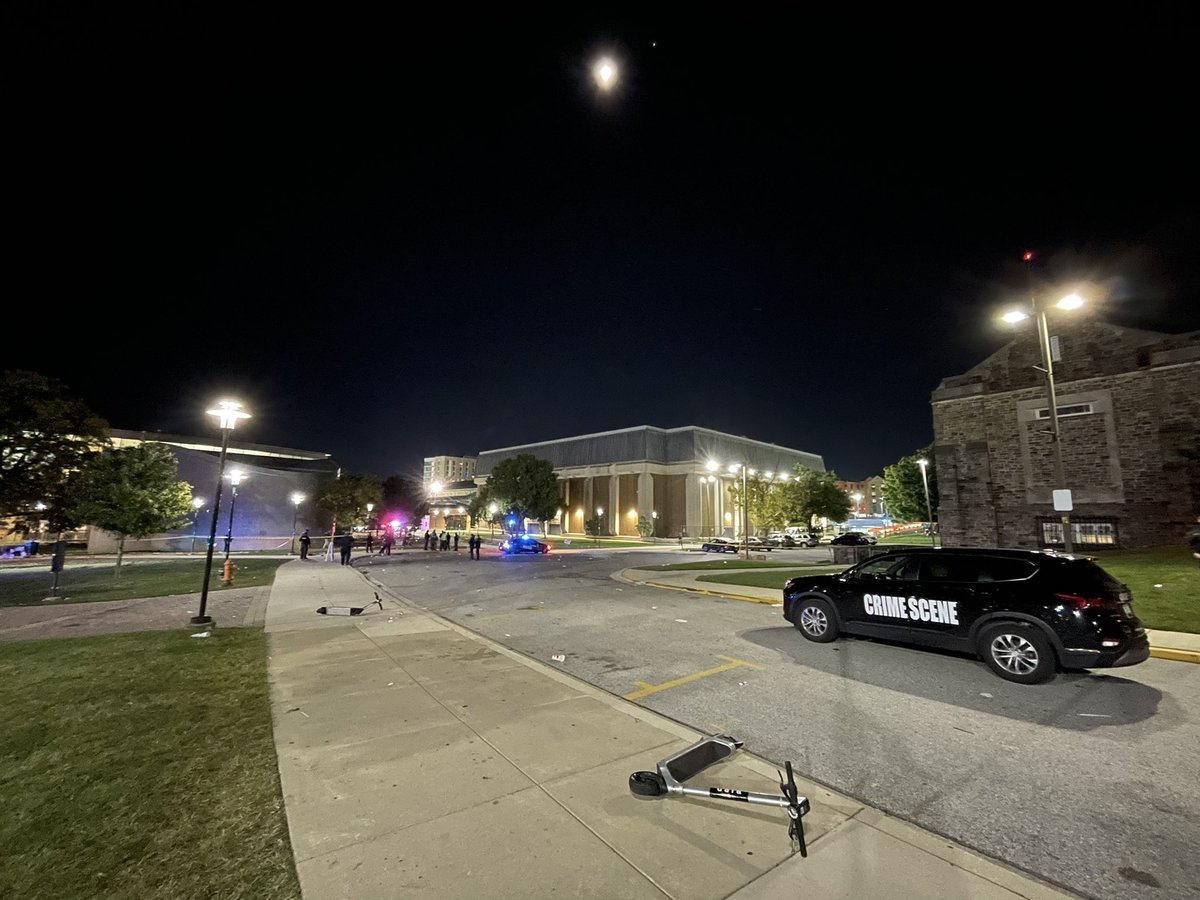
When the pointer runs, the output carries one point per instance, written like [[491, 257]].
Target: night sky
[[395, 237]]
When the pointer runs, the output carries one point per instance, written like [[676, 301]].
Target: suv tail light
[[1082, 603]]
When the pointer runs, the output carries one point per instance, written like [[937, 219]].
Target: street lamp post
[[1061, 495], [235, 478], [297, 499], [197, 505], [857, 498], [599, 523], [228, 412], [745, 509], [924, 463], [492, 510]]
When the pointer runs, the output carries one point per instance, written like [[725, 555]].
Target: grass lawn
[[773, 580], [139, 577], [140, 765]]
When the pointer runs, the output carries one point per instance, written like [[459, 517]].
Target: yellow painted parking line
[[645, 689]]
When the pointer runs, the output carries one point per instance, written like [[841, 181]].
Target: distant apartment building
[[1128, 407], [866, 496], [448, 469]]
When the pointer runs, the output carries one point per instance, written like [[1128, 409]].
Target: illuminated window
[[1084, 533]]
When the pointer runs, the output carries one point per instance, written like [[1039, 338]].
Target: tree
[[763, 507], [45, 437], [133, 492], [812, 495], [904, 491], [345, 499], [529, 488], [645, 527]]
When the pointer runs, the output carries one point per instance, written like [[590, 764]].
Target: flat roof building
[[676, 478]]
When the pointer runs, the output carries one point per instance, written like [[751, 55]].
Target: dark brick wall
[[1135, 460]]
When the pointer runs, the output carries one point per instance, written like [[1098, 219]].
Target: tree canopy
[[344, 500], [904, 491], [810, 495], [524, 486], [46, 436], [133, 492]]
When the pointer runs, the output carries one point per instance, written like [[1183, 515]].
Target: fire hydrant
[[227, 578]]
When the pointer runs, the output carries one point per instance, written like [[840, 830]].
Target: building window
[[1084, 533], [1064, 412]]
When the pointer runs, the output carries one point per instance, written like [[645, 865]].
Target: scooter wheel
[[647, 784]]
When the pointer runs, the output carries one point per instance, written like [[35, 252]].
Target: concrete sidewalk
[[420, 759], [1173, 645]]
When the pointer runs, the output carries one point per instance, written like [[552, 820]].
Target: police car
[[523, 543], [1026, 613]]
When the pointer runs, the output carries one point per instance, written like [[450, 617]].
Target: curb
[[691, 590], [1190, 656]]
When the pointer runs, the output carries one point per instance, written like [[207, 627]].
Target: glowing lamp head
[[1071, 301], [228, 412], [1015, 316], [605, 73]]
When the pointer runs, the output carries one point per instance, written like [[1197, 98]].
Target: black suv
[[1026, 613]]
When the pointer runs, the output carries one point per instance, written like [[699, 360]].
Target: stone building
[[676, 478], [1128, 404]]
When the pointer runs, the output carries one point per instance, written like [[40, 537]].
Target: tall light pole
[[492, 510], [924, 463], [197, 505], [599, 523], [227, 412], [1061, 495], [857, 498], [235, 478], [297, 498]]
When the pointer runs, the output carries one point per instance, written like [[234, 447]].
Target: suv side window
[[945, 568], [882, 568], [994, 568]]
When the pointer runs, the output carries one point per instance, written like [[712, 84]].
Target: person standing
[[426, 538], [370, 542], [305, 540], [1194, 541], [456, 542], [476, 543], [347, 547]]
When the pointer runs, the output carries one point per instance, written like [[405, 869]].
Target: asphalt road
[[1091, 781]]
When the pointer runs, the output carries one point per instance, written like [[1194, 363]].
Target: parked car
[[854, 539], [1025, 613], [720, 545], [782, 539], [756, 543], [523, 543]]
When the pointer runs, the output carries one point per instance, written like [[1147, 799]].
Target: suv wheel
[[1018, 653], [816, 620]]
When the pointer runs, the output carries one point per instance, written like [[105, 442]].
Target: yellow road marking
[[645, 689]]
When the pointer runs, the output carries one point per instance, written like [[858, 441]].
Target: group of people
[[433, 541], [447, 541]]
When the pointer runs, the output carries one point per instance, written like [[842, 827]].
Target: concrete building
[[1128, 403], [866, 496], [447, 469], [263, 514], [678, 479]]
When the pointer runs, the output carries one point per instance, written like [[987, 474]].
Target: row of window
[[1084, 533]]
